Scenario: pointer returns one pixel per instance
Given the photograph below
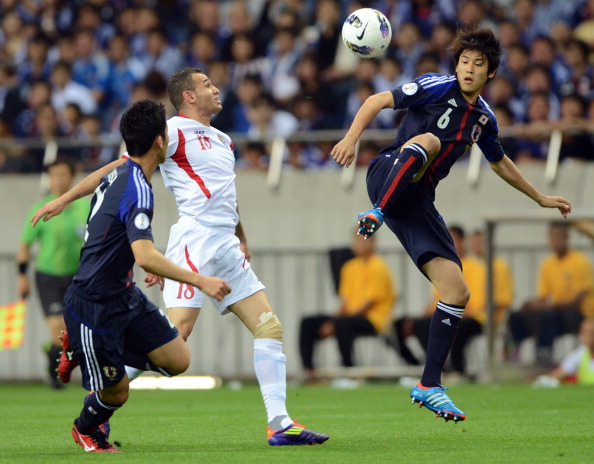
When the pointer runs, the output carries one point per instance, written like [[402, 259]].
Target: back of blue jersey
[[436, 105], [121, 212]]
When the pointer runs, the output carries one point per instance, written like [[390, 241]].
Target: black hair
[[141, 124], [65, 161], [482, 40], [458, 230], [180, 82]]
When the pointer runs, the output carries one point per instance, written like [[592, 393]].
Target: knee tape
[[270, 327]]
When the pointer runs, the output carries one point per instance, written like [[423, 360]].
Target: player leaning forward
[[108, 319], [446, 115], [208, 238]]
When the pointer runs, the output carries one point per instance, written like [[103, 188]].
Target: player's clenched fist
[[214, 287]]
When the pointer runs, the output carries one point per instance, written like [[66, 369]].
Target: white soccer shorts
[[212, 253]]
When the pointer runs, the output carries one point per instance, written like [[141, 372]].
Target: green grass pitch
[[374, 424]]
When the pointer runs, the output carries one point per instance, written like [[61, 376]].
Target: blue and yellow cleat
[[369, 222], [437, 401], [295, 434]]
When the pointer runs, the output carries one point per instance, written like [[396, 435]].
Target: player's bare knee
[[430, 142], [269, 327], [115, 397]]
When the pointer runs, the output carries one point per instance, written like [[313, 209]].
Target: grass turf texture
[[373, 424]]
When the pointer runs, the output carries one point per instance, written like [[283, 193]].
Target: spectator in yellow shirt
[[367, 296], [565, 296]]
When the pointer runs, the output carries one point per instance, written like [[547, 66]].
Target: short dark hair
[[457, 230], [141, 124], [65, 161], [179, 83], [482, 40]]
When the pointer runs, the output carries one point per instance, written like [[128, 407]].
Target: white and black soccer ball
[[367, 32]]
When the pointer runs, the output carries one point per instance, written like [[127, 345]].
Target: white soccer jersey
[[199, 171]]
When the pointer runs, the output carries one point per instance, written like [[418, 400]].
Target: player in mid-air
[[109, 321], [446, 115], [208, 237]]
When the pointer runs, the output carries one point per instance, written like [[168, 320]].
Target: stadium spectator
[[244, 60], [268, 121], [37, 94], [202, 51], [56, 261], [66, 90], [565, 295], [239, 23], [12, 100], [124, 72], [407, 48], [533, 136], [441, 37], [219, 73], [280, 63], [324, 36], [36, 65], [159, 55], [543, 52], [578, 139], [250, 88], [367, 295], [577, 366], [254, 157], [90, 66], [581, 82]]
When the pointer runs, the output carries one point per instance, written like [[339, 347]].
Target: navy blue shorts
[[413, 217], [100, 332]]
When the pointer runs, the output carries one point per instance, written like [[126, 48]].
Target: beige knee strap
[[269, 327]]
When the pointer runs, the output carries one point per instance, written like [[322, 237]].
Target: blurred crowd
[[68, 68]]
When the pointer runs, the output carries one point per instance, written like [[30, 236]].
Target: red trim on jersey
[[189, 261], [181, 115], [181, 160], [451, 145], [394, 183], [244, 260]]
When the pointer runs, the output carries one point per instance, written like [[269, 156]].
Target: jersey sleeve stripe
[[141, 190], [438, 82], [181, 160]]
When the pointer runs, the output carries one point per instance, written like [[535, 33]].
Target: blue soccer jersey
[[121, 212], [436, 105]]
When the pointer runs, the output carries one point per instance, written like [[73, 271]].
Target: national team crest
[[110, 372], [476, 132]]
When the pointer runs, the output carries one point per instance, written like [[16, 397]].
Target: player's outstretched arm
[[83, 188], [151, 260], [344, 151], [509, 172]]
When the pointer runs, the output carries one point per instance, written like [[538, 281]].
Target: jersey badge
[[452, 102], [476, 132], [110, 372], [483, 119], [410, 88], [112, 176], [221, 139], [141, 221]]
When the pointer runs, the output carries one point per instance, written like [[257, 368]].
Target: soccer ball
[[367, 33]]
